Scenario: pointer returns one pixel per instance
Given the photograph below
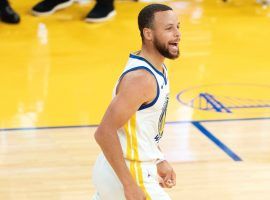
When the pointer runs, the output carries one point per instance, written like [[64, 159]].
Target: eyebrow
[[173, 24]]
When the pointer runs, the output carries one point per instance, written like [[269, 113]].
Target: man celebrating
[[132, 166]]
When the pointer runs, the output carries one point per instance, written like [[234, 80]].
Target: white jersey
[[139, 139], [140, 136]]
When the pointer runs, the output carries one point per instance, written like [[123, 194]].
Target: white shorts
[[109, 187]]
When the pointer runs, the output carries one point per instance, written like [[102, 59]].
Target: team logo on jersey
[[162, 118]]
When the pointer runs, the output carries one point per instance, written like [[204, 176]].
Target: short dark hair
[[146, 16]]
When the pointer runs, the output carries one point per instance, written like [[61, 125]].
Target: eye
[[178, 26]]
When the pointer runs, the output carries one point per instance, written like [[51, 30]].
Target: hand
[[134, 192], [167, 175]]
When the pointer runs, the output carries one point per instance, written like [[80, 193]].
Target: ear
[[148, 34]]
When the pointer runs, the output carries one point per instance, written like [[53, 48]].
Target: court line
[[219, 120], [197, 124], [214, 139], [96, 125], [47, 127]]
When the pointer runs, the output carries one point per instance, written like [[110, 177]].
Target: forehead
[[166, 17]]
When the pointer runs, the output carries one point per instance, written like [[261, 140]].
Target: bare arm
[[134, 89]]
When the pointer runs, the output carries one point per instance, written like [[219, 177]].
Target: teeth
[[174, 44]]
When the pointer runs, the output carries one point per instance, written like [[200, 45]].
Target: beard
[[165, 51]]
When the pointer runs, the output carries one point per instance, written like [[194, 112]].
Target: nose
[[177, 33]]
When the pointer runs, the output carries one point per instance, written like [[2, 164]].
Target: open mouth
[[174, 44]]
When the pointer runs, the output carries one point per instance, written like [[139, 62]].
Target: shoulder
[[141, 76], [139, 82]]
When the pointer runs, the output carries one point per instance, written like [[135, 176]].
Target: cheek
[[161, 34], [167, 37], [164, 38]]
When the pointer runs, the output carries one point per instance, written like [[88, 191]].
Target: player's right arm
[[135, 89]]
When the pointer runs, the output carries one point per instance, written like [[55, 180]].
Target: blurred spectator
[[7, 14], [102, 11], [263, 2]]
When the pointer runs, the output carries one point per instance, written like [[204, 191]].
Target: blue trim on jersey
[[143, 59], [145, 68], [166, 71], [165, 67]]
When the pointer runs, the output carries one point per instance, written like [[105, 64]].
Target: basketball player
[[132, 167]]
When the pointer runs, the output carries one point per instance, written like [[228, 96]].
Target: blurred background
[[59, 62]]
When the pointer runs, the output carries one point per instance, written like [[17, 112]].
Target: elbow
[[104, 134], [97, 136]]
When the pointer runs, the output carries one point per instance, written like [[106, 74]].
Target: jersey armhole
[[144, 106]]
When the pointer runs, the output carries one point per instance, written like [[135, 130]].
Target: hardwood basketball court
[[57, 74]]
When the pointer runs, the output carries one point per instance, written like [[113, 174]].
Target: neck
[[153, 56]]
